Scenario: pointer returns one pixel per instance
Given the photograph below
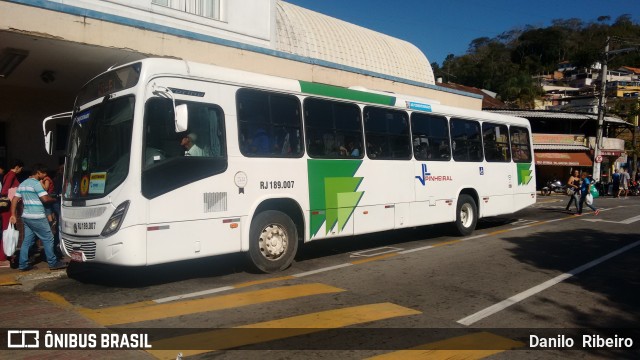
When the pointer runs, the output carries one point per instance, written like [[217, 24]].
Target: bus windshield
[[99, 148]]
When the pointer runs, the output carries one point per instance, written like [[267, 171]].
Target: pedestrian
[[10, 183], [616, 183], [624, 183], [585, 189], [35, 221], [47, 185], [573, 189]]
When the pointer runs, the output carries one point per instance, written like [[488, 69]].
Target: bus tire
[[466, 215], [273, 241]]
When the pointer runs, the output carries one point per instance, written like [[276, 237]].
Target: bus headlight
[[114, 222]]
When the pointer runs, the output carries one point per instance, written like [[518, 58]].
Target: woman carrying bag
[[10, 183], [573, 189], [584, 191]]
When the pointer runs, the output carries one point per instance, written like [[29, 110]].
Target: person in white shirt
[[189, 144]]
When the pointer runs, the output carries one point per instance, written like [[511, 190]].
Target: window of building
[[520, 146], [269, 124], [430, 137], [206, 8], [466, 140], [170, 159], [333, 129], [495, 139], [387, 133]]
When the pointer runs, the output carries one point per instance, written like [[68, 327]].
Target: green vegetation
[[505, 64]]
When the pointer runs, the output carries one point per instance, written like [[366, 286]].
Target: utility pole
[[635, 138], [601, 108]]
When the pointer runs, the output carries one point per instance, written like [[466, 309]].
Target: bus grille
[[83, 213], [88, 248]]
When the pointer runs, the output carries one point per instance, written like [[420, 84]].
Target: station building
[[50, 48]]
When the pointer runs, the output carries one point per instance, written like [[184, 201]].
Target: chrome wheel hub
[[273, 242]]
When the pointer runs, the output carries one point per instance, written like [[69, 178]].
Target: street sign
[[599, 158]]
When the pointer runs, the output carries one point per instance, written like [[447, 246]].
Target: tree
[[505, 64]]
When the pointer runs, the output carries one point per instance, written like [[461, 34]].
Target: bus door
[[523, 170], [496, 171]]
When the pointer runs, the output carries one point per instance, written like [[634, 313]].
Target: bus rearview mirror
[[182, 118]]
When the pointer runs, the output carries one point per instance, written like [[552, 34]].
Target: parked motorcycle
[[634, 188], [553, 186]]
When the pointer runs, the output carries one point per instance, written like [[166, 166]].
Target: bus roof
[[153, 67]]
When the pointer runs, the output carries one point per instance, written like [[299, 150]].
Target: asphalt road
[[519, 280]]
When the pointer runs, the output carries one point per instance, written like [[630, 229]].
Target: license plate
[[78, 256]]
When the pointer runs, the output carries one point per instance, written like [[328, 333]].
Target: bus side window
[[170, 161], [269, 124], [496, 142], [520, 146], [387, 133], [430, 137], [339, 125], [466, 139]]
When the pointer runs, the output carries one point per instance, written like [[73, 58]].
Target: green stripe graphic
[[344, 93], [333, 192]]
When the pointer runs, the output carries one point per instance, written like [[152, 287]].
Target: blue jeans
[[583, 199], [574, 199], [37, 228]]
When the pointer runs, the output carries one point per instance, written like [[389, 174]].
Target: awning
[[563, 159]]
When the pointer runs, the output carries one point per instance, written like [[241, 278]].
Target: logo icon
[[423, 176], [23, 339]]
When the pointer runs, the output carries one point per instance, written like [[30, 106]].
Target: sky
[[443, 27]]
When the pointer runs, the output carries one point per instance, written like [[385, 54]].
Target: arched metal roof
[[313, 35]]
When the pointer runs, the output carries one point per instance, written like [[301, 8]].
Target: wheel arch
[[286, 205], [474, 195]]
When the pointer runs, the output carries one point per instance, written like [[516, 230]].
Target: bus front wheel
[[273, 241], [466, 215]]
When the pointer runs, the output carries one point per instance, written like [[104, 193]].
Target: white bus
[[171, 160]]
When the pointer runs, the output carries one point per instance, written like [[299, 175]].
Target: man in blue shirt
[[616, 183], [35, 221], [584, 190]]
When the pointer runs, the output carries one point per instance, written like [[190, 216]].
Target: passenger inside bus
[[351, 149], [259, 142]]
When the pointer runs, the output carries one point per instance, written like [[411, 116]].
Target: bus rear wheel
[[466, 215], [273, 241]]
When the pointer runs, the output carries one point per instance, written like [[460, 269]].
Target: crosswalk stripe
[[283, 328], [127, 314], [468, 347]]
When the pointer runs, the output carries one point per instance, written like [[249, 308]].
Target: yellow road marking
[[473, 346], [451, 242], [8, 279], [55, 298], [374, 258], [266, 281], [127, 314], [282, 329]]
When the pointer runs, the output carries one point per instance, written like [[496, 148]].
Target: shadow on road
[[617, 280], [134, 277], [140, 276]]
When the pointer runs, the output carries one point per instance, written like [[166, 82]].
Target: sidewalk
[[21, 308]]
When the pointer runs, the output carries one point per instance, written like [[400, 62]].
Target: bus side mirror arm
[[48, 146], [181, 112]]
